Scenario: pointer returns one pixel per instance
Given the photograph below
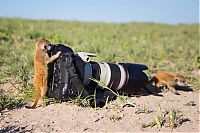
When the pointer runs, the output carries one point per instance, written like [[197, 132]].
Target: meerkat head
[[43, 45], [180, 81]]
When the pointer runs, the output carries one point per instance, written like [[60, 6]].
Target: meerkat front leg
[[171, 88], [52, 58]]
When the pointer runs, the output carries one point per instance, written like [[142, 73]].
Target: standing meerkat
[[170, 80], [41, 59]]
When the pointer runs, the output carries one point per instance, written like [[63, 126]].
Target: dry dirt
[[65, 117]]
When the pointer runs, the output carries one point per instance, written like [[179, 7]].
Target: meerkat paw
[[58, 53], [30, 107], [43, 103], [176, 93]]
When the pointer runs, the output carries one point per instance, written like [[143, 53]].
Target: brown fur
[[170, 80], [41, 60]]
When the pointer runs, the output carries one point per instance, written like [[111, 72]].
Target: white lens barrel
[[123, 77], [105, 73]]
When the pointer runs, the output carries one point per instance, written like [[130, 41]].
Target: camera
[[71, 74]]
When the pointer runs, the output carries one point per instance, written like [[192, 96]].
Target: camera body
[[71, 75]]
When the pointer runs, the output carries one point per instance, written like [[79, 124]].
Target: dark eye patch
[[176, 80], [45, 47]]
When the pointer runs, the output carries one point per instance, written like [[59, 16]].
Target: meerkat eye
[[183, 81], [47, 47], [176, 80]]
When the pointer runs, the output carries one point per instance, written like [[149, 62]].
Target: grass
[[142, 109], [7, 102], [115, 117], [80, 101], [123, 99], [170, 117], [159, 46], [149, 124]]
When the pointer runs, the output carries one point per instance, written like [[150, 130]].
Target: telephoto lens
[[124, 77]]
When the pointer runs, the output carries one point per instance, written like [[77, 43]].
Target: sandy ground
[[65, 117]]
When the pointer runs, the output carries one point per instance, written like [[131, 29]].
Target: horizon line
[[96, 21]]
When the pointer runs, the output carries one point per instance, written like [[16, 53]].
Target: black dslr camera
[[70, 75]]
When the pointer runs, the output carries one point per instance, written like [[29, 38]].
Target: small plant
[[78, 100], [174, 118], [5, 34], [115, 118], [23, 74], [28, 93], [149, 124], [170, 118], [143, 109], [190, 103], [51, 101], [8, 102], [159, 117]]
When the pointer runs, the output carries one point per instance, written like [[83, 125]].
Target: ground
[[65, 117]]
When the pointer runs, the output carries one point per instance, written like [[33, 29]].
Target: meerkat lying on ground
[[41, 60], [170, 80]]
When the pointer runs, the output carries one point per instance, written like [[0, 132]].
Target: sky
[[116, 11]]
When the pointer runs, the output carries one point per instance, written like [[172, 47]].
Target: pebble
[[29, 127]]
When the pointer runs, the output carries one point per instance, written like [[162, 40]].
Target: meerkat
[[41, 59], [170, 80]]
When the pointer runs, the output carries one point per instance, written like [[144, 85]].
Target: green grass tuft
[[7, 102]]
